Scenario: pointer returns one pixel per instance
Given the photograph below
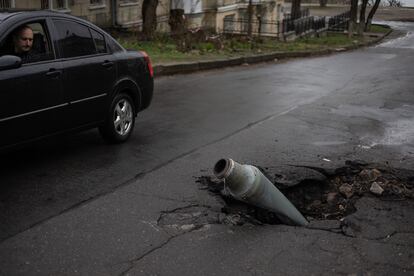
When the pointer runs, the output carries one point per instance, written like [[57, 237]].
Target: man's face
[[24, 41]]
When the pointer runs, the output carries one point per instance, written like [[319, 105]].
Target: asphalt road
[[316, 111]]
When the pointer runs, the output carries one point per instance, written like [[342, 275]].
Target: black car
[[78, 77]]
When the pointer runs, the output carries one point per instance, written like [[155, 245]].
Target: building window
[[44, 4], [229, 21], [54, 4], [60, 4], [6, 4], [97, 2]]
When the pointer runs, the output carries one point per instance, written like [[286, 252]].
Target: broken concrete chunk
[[376, 189], [375, 174], [369, 175], [346, 190], [330, 198]]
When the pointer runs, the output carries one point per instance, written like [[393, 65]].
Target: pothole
[[332, 198]]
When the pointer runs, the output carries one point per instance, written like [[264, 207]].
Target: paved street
[[79, 206]]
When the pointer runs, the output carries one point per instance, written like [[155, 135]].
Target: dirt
[[333, 198]]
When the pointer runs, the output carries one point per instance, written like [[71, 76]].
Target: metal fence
[[258, 27], [303, 25], [319, 23], [274, 28], [339, 23], [299, 26], [302, 13]]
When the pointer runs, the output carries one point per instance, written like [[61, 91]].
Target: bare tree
[[250, 18], [364, 25], [149, 18], [371, 15], [177, 17], [353, 17], [361, 26], [295, 10]]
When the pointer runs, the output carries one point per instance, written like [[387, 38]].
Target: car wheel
[[120, 119]]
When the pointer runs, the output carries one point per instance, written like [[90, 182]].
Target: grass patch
[[379, 29], [332, 40], [165, 50]]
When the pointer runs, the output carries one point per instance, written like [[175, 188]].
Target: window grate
[[59, 4], [6, 4], [44, 4]]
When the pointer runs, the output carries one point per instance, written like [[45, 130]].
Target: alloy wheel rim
[[123, 117]]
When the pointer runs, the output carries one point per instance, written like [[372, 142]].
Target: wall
[[99, 14], [207, 13], [27, 4], [129, 14]]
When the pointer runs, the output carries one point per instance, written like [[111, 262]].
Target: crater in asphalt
[[318, 199]]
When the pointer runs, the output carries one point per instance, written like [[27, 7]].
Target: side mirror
[[10, 62]]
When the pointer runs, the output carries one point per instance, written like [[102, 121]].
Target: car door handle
[[53, 73], [107, 64]]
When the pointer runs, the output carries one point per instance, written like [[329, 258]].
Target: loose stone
[[376, 189], [346, 190]]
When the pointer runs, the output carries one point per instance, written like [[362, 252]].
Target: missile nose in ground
[[248, 184]]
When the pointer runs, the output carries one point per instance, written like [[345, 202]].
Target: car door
[[31, 100], [88, 71]]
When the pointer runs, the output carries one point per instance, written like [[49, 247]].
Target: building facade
[[105, 13], [212, 14]]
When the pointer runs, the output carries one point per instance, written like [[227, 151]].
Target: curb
[[191, 67]]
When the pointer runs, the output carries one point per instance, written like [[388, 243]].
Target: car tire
[[120, 119]]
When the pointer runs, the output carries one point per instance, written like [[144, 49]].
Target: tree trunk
[[371, 15], [149, 18], [353, 17], [177, 22], [361, 26], [250, 18], [295, 11], [322, 3]]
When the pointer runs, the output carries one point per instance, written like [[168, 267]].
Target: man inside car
[[23, 42]]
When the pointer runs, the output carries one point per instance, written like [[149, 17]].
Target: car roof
[[5, 14]]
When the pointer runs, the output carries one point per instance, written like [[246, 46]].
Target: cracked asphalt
[[86, 208]]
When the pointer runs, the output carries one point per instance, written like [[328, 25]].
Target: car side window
[[113, 46], [75, 39], [99, 40], [28, 41]]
